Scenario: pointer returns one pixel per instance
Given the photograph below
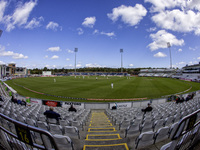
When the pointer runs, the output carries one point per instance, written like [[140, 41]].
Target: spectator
[[13, 99], [115, 107], [192, 96], [148, 108], [189, 97], [180, 100], [52, 114], [23, 102], [71, 108], [19, 101], [1, 99]]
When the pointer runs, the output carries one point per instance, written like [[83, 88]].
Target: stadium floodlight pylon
[[121, 51], [1, 32], [169, 46], [75, 50]]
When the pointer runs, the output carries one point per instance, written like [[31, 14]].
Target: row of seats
[[30, 115], [161, 115], [150, 128], [62, 134]]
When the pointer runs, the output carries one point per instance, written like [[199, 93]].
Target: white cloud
[[8, 22], [90, 65], [193, 49], [198, 58], [53, 26], [152, 29], [162, 5], [96, 31], [80, 31], [160, 54], [13, 55], [129, 15], [89, 22], [180, 50], [19, 56], [70, 65], [70, 51], [78, 65], [110, 34], [3, 5], [67, 59], [176, 20], [47, 66], [190, 63], [54, 57], [54, 49], [12, 62], [130, 65], [161, 38], [2, 63], [34, 23], [177, 15], [194, 4], [20, 15], [46, 56], [22, 12], [2, 48], [181, 63]]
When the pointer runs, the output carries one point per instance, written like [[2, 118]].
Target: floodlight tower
[[1, 32], [121, 51], [1, 70], [76, 50], [169, 46]]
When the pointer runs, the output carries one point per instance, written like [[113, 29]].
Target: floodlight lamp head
[[1, 32], [168, 44], [121, 50], [76, 50]]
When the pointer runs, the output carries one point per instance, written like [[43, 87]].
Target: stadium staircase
[[102, 134]]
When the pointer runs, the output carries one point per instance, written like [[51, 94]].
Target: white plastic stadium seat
[[162, 134], [124, 124], [144, 139], [64, 123], [55, 129], [158, 124], [42, 125], [72, 132], [132, 130], [173, 129], [52, 121], [63, 142]]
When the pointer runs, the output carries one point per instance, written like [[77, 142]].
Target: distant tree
[[45, 69]]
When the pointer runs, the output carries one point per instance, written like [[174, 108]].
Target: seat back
[[145, 139], [55, 129], [63, 142], [162, 134]]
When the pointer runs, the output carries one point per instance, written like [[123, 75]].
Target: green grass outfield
[[89, 87]]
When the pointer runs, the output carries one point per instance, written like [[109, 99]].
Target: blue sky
[[44, 33]]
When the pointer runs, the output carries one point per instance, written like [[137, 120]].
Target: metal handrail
[[29, 127], [182, 124]]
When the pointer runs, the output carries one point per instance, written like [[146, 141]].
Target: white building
[[12, 70], [21, 71], [2, 71]]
